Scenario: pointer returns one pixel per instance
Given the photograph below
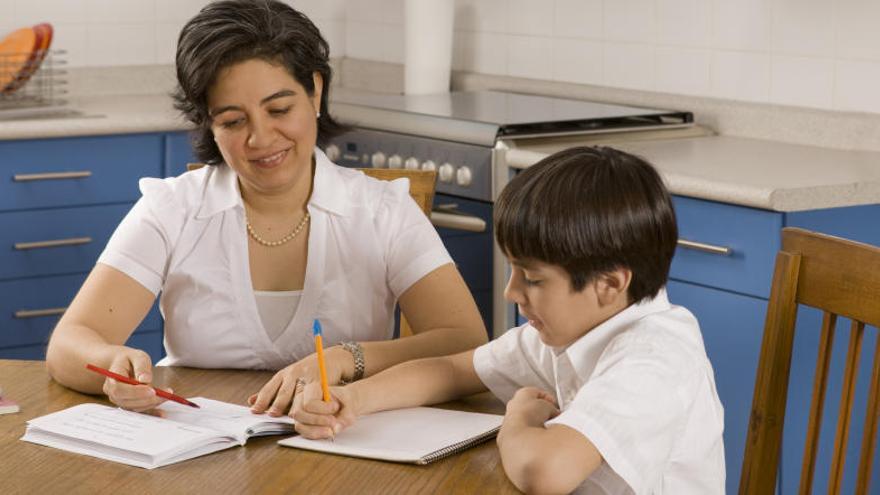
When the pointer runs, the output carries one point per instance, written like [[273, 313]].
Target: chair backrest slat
[[847, 394], [771, 385], [817, 405], [869, 435], [841, 278]]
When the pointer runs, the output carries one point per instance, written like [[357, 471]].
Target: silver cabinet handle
[[73, 241], [51, 176], [36, 313], [706, 248], [457, 221]]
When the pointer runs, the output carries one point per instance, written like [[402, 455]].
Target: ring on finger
[[299, 384]]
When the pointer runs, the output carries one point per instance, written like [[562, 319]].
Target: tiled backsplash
[[811, 53], [97, 33]]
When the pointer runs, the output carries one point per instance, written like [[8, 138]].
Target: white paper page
[[403, 435], [120, 429], [231, 419]]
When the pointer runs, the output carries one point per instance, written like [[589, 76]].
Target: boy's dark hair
[[591, 210], [227, 32]]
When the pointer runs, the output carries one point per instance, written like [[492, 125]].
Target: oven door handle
[[449, 218]]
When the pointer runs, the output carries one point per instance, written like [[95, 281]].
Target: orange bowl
[[21, 54]]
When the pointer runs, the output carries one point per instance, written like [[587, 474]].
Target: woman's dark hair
[[591, 210], [230, 31]]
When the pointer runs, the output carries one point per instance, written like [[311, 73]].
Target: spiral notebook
[[417, 435]]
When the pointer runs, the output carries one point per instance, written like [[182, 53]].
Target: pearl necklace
[[293, 233]]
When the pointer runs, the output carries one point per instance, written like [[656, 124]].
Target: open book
[[150, 441], [416, 435]]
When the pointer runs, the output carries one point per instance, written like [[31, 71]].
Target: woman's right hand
[[136, 364]]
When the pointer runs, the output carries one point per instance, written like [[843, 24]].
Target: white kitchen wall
[[98, 33], [808, 53]]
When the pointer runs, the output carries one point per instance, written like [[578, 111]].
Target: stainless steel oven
[[477, 141]]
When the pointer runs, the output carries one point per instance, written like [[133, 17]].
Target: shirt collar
[[596, 339], [328, 190]]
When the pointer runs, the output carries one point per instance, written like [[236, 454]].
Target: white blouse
[[639, 386], [186, 238]]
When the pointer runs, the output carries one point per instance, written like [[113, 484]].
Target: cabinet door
[[732, 327], [178, 152]]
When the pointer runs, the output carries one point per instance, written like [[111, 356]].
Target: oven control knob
[[429, 165], [333, 152], [378, 160], [411, 163], [445, 172], [395, 161], [463, 176]]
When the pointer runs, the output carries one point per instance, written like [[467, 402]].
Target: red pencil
[[131, 381]]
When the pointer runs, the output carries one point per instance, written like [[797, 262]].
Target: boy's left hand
[[532, 405]]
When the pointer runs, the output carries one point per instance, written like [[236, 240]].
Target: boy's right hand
[[316, 419], [136, 364]]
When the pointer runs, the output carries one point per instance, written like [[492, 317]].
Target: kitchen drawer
[[114, 164], [751, 235], [21, 301], [85, 231]]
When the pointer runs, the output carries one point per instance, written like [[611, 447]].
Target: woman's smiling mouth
[[271, 160]]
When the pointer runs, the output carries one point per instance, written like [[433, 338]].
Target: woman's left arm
[[443, 317], [444, 320]]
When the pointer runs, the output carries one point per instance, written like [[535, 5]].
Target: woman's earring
[[319, 114]]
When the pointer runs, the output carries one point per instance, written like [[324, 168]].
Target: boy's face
[[544, 295]]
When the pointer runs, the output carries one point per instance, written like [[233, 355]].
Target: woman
[[248, 251]]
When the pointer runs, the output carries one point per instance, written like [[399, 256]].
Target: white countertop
[[123, 114], [764, 174], [750, 172]]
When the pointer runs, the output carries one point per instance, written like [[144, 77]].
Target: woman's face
[[265, 125]]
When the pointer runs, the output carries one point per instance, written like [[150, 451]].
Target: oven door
[[465, 226]]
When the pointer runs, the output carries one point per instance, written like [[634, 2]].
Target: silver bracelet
[[357, 352]]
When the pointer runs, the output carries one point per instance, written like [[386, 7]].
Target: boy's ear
[[612, 286]]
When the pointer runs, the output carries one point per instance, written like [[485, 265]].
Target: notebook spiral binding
[[458, 447]]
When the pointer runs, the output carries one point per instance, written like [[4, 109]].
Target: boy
[[608, 386]]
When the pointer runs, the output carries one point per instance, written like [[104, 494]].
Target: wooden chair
[[421, 187], [841, 278]]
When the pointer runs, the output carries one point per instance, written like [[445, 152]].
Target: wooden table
[[261, 466]]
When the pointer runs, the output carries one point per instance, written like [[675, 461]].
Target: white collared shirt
[[186, 238], [639, 387]]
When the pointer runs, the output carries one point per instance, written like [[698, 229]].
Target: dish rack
[[41, 94]]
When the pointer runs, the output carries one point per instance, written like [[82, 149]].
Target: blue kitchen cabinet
[[178, 153], [60, 203], [732, 327], [728, 295]]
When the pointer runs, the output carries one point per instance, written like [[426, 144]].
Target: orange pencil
[[319, 347]]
